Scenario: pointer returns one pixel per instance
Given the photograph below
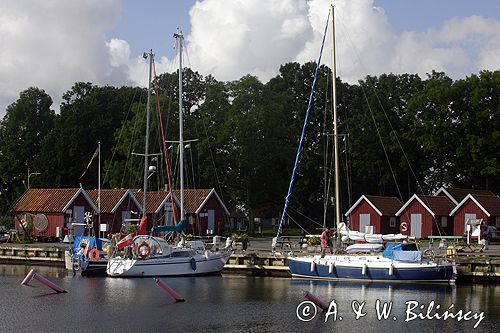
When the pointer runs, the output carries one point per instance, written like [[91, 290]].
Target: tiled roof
[[460, 193], [45, 200], [192, 198], [109, 198], [439, 205], [153, 199], [489, 202], [388, 206]]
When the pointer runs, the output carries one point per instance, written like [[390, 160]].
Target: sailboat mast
[[99, 185], [146, 153], [335, 124], [180, 39]]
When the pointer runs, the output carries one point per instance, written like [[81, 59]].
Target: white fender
[[391, 269], [207, 255], [313, 266], [363, 270], [330, 267]]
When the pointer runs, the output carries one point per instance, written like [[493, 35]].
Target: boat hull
[[375, 269], [182, 266]]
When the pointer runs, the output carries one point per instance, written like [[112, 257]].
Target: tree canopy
[[401, 135]]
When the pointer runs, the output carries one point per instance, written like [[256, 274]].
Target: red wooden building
[[116, 205], [427, 216], [376, 211], [205, 212], [475, 206], [53, 210]]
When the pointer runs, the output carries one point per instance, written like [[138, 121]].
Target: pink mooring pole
[[169, 290], [32, 275], [315, 300], [28, 277]]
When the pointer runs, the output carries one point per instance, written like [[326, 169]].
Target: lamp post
[[31, 174]]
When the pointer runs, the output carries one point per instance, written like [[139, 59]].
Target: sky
[[52, 44]]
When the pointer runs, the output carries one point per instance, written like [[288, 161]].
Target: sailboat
[[87, 255], [145, 255], [382, 260]]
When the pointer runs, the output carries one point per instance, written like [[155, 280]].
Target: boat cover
[[409, 256], [400, 252], [179, 227]]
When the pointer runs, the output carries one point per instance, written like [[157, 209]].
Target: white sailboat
[[375, 260], [153, 256]]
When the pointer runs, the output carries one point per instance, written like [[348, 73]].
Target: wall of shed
[[200, 224], [469, 207], [415, 207], [365, 208]]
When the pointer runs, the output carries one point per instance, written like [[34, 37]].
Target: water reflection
[[226, 303]]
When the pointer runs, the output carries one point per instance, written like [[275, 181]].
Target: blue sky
[[53, 44], [166, 15], [419, 15]]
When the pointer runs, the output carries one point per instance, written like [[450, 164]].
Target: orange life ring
[[94, 254], [143, 250]]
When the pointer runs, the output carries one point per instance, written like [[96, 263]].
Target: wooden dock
[[473, 267], [32, 253]]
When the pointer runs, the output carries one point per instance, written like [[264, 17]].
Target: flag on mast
[[91, 160]]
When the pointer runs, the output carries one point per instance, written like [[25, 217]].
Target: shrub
[[313, 241], [240, 237]]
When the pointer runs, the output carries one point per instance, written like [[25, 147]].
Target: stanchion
[[28, 277], [32, 275], [169, 290], [315, 300]]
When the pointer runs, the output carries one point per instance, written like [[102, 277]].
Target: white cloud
[[52, 44], [229, 40], [119, 51], [232, 38]]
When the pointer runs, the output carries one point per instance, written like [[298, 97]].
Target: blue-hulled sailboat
[[391, 261]]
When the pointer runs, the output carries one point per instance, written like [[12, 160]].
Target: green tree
[[89, 114], [25, 125]]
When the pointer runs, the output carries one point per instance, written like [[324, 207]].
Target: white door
[[364, 221], [416, 225], [211, 220], [169, 216], [78, 213], [468, 216]]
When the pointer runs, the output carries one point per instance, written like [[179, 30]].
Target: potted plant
[[313, 243], [241, 238]]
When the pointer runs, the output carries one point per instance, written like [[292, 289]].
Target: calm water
[[228, 304]]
